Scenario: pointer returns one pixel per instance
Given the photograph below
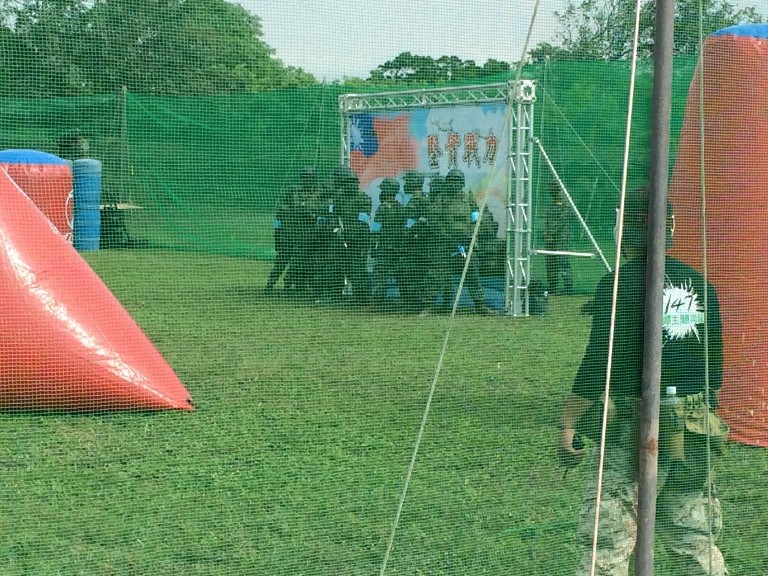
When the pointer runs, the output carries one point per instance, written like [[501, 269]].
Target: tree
[[186, 47], [604, 29], [180, 47], [40, 36], [718, 14], [494, 67], [406, 67], [546, 51], [410, 68]]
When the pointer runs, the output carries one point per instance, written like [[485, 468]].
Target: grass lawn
[[295, 458]]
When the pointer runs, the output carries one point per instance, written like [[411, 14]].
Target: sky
[[336, 38], [333, 39]]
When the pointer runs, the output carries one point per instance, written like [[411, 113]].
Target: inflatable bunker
[[735, 136]]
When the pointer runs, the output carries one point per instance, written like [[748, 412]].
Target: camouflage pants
[[386, 267], [682, 520], [559, 269], [414, 272], [440, 280]]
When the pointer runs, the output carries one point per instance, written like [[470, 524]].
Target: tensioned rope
[[614, 298], [449, 327], [704, 272], [580, 139]]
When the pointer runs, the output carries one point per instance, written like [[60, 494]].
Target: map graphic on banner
[[433, 141]]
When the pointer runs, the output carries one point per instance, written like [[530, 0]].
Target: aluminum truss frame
[[407, 99], [520, 97], [519, 208]]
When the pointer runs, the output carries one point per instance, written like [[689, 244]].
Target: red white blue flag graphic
[[381, 146]]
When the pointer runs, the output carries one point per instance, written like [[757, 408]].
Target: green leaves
[[407, 68], [174, 47], [604, 29]]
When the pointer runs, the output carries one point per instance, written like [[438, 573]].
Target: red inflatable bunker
[[735, 120], [66, 343], [47, 180]]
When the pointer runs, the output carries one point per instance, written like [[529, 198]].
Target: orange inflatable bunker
[[66, 343], [47, 180], [735, 123]]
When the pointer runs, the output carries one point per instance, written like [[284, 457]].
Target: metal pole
[[124, 148], [344, 130], [572, 204], [654, 287]]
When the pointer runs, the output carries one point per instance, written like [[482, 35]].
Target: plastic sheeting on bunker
[[66, 342], [735, 135], [47, 180]]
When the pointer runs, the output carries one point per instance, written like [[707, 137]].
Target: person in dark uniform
[[310, 184], [353, 234], [455, 213], [557, 238], [305, 241], [433, 241], [327, 277], [684, 475], [388, 242], [411, 279], [287, 227]]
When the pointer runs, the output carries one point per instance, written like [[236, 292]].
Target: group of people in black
[[404, 258]]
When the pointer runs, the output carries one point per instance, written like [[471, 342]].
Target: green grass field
[[295, 458]]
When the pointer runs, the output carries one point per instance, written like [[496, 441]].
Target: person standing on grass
[[684, 477], [388, 245], [557, 238], [327, 276], [432, 246], [353, 234], [309, 240], [414, 262], [456, 212], [286, 228]]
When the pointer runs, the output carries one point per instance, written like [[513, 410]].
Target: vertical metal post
[[519, 225], [344, 130], [124, 147], [654, 286], [509, 262], [518, 207]]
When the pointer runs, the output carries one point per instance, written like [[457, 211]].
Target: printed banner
[[471, 138]]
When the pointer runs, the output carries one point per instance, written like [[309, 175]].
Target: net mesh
[[221, 374]]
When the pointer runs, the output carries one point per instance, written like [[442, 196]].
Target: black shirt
[[683, 354]]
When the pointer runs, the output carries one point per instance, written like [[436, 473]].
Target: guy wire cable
[[446, 337], [580, 139], [544, 84], [481, 208], [321, 106], [702, 176], [617, 269]]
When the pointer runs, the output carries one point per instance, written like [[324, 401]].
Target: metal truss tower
[[522, 96], [519, 97]]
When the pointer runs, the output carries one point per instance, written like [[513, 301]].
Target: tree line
[[604, 29], [169, 47], [213, 47]]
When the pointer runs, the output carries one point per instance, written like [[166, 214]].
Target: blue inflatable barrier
[[23, 156]]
